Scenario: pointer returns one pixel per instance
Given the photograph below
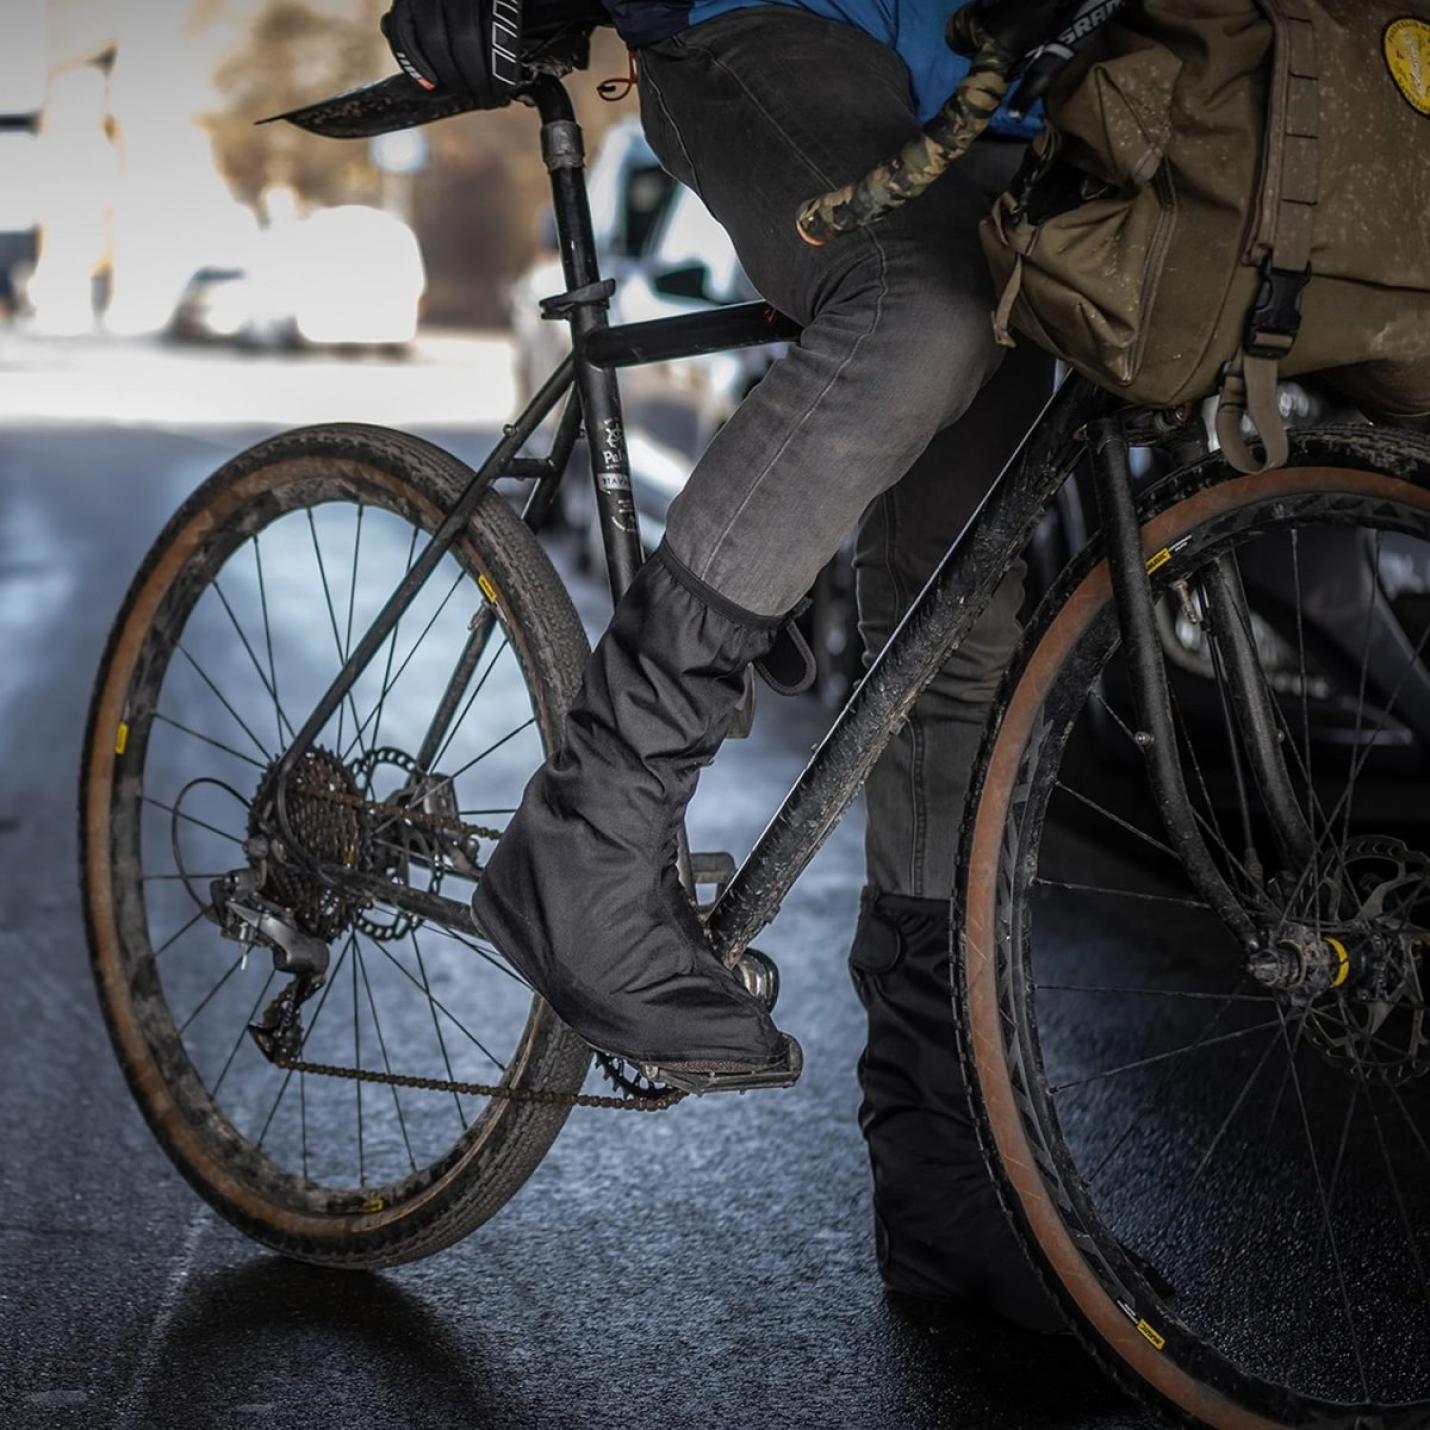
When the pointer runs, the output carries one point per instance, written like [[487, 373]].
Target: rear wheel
[[1222, 1170], [239, 618]]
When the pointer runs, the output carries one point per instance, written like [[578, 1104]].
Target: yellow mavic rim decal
[[1154, 1338], [1407, 52], [488, 590], [1343, 961], [121, 738], [1157, 562]]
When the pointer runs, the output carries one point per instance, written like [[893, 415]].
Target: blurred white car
[[355, 276], [19, 207], [350, 276]]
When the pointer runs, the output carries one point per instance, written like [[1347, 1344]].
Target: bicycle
[[1281, 974]]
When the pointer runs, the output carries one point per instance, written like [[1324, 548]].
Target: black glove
[[1017, 26], [442, 45]]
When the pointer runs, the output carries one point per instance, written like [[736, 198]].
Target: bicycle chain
[[542, 1096], [445, 822], [637, 1102]]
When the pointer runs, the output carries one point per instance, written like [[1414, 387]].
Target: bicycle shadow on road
[[952, 1366], [275, 1343]]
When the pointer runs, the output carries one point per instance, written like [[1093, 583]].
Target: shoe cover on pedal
[[581, 893], [940, 1232]]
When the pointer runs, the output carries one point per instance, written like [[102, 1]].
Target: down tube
[[941, 616]]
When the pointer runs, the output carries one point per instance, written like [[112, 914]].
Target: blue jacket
[[914, 29]]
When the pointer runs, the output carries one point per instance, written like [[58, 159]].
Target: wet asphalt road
[[712, 1266]]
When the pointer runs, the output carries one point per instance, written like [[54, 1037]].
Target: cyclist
[[891, 415]]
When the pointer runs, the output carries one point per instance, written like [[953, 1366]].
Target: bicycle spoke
[[493, 958], [1216, 1141], [267, 634], [223, 700], [386, 1062], [406, 661], [1360, 690], [243, 1032], [437, 1025], [208, 997], [1165, 1081], [1043, 883], [357, 1081], [391, 649], [1117, 819], [347, 701], [1325, 1210], [303, 1045], [1363, 756], [1410, 1122], [192, 819], [1160, 1058], [1342, 1143], [209, 740], [175, 937], [1395, 1189], [490, 750], [437, 1005], [1154, 993], [280, 715], [471, 700]]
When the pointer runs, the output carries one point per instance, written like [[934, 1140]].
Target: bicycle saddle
[[396, 102]]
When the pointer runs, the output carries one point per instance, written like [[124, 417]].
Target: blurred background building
[[136, 189]]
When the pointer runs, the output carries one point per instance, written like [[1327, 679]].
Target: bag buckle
[[1274, 321]]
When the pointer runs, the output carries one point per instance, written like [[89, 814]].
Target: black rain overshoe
[[940, 1234], [581, 894]]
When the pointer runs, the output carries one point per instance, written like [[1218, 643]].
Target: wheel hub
[[1356, 989]]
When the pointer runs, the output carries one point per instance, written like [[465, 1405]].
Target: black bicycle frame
[[936, 622]]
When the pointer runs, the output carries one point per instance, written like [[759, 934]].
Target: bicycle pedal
[[697, 1081]]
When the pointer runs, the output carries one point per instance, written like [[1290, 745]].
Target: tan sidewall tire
[[983, 1025], [461, 1197]]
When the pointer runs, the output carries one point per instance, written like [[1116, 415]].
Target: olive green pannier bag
[[1228, 192]]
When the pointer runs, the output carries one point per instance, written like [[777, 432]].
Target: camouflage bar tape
[[945, 139]]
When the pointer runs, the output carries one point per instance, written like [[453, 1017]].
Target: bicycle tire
[[505, 1143], [1148, 1351]]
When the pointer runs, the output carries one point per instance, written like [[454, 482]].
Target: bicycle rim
[[1224, 1181]]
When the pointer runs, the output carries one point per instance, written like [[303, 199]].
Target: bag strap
[[1282, 243]]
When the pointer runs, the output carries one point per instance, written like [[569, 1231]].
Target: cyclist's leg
[[938, 1227], [757, 111]]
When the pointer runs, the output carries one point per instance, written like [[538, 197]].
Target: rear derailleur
[[245, 916]]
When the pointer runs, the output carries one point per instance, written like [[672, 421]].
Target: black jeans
[[876, 416]]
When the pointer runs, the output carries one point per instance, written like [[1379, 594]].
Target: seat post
[[564, 154], [584, 307]]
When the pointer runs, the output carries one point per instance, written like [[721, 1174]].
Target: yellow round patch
[[1407, 52]]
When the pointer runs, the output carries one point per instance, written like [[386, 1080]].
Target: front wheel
[[239, 618], [1223, 1170]]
